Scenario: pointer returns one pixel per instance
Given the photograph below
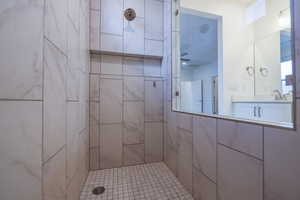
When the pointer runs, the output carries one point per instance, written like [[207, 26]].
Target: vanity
[[264, 110]]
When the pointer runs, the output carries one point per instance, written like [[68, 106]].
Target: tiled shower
[[85, 101]]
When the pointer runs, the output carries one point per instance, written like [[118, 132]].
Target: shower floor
[[143, 182]]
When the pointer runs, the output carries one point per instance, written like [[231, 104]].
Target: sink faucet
[[278, 95]]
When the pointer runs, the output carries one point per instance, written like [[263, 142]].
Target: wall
[[43, 98], [226, 160], [126, 93]]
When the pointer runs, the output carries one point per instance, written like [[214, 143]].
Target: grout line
[[52, 156], [247, 154], [29, 100]]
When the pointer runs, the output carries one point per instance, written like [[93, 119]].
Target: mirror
[[234, 59]]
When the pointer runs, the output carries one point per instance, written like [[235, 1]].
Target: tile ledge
[[124, 54]]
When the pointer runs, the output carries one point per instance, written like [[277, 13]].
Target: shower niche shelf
[[124, 54]]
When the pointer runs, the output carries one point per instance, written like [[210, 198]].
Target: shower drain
[[98, 190]]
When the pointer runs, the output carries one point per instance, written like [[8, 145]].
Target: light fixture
[[284, 19]]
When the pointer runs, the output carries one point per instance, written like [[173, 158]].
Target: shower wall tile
[[111, 146], [134, 34], [152, 67], [73, 53], [21, 161], [111, 65], [239, 176], [94, 29], [111, 100], [185, 159], [56, 30], [205, 145], [112, 43], [95, 64], [185, 121], [154, 142], [153, 101], [94, 124], [73, 12], [21, 78], [54, 177], [94, 87], [154, 19], [95, 4], [72, 138], [55, 65], [133, 129], [74, 188], [94, 158], [203, 188], [134, 88], [153, 47], [134, 154], [137, 5], [133, 66], [112, 17], [171, 157], [240, 136], [282, 163]]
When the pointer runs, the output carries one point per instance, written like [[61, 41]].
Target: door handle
[[259, 111], [254, 111]]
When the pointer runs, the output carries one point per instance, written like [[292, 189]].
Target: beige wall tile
[[154, 142], [152, 67], [154, 20], [20, 150], [153, 101], [94, 87], [133, 66], [203, 188], [95, 64], [55, 65], [134, 89], [111, 43], [111, 146], [94, 158], [111, 65], [239, 176], [112, 16], [134, 35], [94, 29], [94, 124], [134, 154]]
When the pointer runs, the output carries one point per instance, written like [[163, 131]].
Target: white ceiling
[[198, 38]]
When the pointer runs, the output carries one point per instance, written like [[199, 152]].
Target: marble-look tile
[[94, 158], [133, 129], [111, 146], [282, 163], [94, 124], [95, 64], [55, 65], [111, 65], [73, 189], [73, 53], [95, 4], [111, 43], [112, 16], [134, 154], [95, 29], [154, 142], [134, 35], [54, 177], [239, 176], [111, 97], [73, 12], [133, 66], [134, 89], [153, 101], [154, 20], [94, 87], [152, 67], [56, 22], [171, 157], [72, 138], [205, 145], [21, 78], [185, 159], [137, 5], [20, 149], [153, 47], [244, 137], [203, 188], [185, 121]]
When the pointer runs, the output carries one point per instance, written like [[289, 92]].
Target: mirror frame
[[237, 119]]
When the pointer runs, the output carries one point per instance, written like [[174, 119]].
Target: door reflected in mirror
[[234, 58]]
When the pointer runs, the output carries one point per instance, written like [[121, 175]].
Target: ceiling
[[198, 39]]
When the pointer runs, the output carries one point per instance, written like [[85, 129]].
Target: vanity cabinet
[[265, 111]]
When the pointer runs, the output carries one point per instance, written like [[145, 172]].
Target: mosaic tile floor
[[143, 182]]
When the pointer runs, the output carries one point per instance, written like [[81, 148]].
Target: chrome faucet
[[278, 95]]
